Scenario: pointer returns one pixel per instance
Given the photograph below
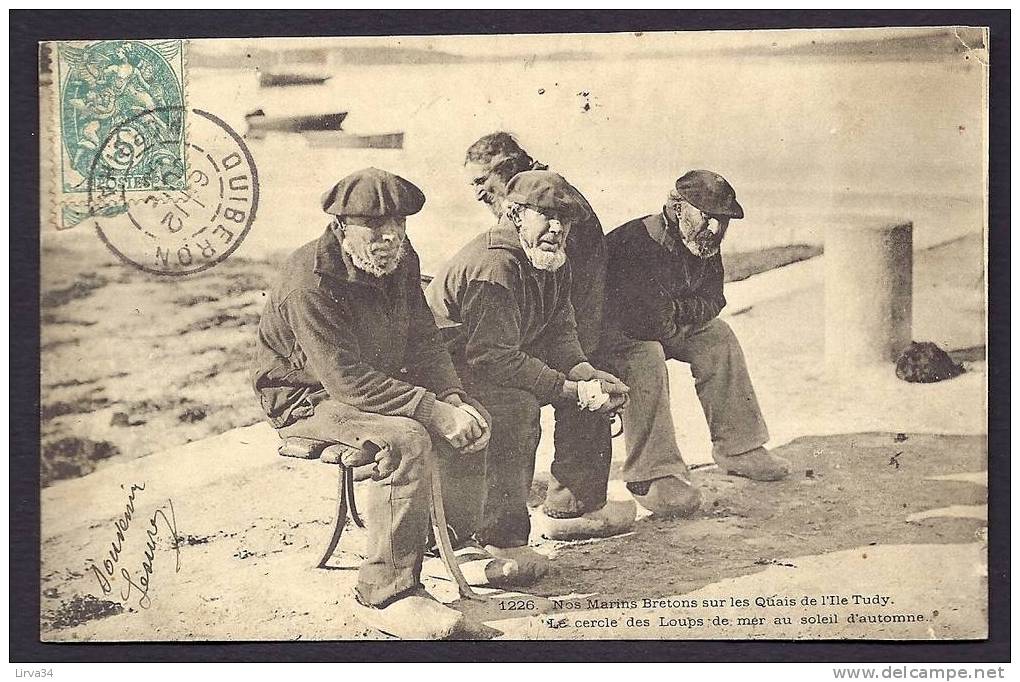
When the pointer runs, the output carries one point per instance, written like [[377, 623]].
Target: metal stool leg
[[343, 473], [438, 514]]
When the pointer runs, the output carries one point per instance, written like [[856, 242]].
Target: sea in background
[[804, 140]]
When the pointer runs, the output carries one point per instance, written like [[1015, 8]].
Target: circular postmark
[[179, 214]]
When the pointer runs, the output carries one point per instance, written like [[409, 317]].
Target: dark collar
[[332, 262], [666, 233]]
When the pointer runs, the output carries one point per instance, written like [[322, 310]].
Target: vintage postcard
[[567, 336]]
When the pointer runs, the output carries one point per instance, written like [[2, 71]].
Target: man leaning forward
[[348, 347]]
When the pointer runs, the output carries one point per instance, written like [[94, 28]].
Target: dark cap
[[373, 193], [710, 193], [544, 190]]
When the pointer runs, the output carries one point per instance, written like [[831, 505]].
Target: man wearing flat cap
[[348, 347], [581, 439], [490, 163], [664, 292], [504, 304]]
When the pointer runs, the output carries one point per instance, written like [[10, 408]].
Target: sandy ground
[[888, 483], [133, 364], [252, 525]]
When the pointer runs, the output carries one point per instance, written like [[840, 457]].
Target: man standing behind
[[348, 347], [664, 292], [505, 300], [581, 439]]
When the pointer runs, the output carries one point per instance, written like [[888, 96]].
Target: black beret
[[543, 189], [709, 192], [373, 193]]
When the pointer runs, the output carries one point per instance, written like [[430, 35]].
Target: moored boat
[[258, 122]]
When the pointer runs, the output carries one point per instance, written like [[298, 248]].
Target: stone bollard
[[868, 291]]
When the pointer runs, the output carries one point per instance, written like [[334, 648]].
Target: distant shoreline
[[940, 44]]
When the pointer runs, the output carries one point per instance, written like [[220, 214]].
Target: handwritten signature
[[106, 572]]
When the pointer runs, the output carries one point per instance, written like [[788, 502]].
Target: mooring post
[[868, 291]]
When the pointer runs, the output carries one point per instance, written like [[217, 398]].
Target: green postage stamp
[[120, 106]]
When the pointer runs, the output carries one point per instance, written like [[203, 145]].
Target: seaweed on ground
[[81, 609], [82, 288], [71, 458], [224, 320]]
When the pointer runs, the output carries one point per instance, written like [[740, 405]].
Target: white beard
[[700, 248], [372, 267], [544, 260]]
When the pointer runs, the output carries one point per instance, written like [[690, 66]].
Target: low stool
[[348, 457]]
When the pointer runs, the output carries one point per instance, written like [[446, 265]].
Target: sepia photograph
[[668, 335]]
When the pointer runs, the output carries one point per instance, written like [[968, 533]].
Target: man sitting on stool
[[347, 344]]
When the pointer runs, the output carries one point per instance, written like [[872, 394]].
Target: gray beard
[[701, 249], [544, 260], [371, 266]]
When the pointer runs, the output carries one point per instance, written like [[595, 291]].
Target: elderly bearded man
[[490, 163], [505, 301], [581, 439], [664, 291], [348, 347]]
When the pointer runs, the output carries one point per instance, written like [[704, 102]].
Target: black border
[[28, 27]]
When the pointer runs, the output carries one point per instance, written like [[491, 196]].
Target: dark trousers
[[582, 455], [582, 444], [580, 471], [395, 509]]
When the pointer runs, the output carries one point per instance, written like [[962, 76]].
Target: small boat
[[350, 141], [282, 80], [259, 123]]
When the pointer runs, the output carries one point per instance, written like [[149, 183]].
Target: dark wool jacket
[[586, 253], [331, 330], [652, 293], [509, 322]]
